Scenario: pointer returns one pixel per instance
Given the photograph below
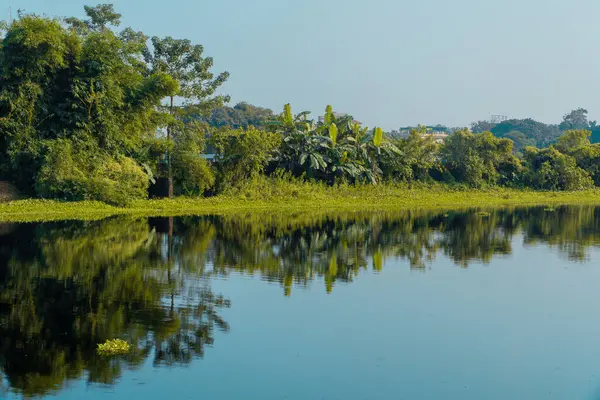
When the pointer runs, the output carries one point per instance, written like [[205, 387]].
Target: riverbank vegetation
[[270, 195], [90, 113]]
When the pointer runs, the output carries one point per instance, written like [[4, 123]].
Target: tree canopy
[[81, 105], [242, 115]]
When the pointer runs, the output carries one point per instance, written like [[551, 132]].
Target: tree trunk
[[169, 168]]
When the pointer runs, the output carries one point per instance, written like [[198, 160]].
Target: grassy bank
[[270, 196]]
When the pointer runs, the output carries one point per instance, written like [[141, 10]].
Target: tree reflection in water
[[64, 287]]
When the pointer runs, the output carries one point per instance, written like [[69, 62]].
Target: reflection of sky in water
[[525, 326]]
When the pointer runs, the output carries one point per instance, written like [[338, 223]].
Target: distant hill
[[537, 133], [534, 133], [241, 115]]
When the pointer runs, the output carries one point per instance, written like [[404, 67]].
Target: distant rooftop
[[429, 128]]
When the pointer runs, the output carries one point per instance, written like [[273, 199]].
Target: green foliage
[[542, 134], [333, 132], [549, 169], [113, 347], [192, 174], [99, 18], [93, 96], [76, 174], [328, 117], [281, 192], [588, 159], [520, 140], [575, 120], [242, 115], [378, 137], [286, 123], [89, 113], [243, 153], [482, 126], [572, 140], [335, 150], [187, 65], [81, 84], [576, 143], [419, 154], [479, 159]]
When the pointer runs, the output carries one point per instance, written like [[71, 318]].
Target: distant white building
[[438, 133], [439, 137]]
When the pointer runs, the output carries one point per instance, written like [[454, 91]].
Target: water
[[419, 305]]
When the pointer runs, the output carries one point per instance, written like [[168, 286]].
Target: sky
[[389, 63]]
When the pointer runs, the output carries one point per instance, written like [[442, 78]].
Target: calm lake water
[[421, 305]]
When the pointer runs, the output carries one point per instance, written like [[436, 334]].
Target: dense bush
[[479, 159], [588, 159], [243, 154], [192, 174], [75, 174], [551, 170], [418, 157]]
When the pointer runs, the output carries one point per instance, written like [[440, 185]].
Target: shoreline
[[345, 199]]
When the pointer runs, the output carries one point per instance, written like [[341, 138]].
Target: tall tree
[[75, 105], [482, 126], [185, 62], [576, 119]]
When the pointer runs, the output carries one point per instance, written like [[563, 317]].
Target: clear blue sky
[[387, 62]]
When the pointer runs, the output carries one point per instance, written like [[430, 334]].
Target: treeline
[[87, 112], [340, 150], [242, 115], [528, 132]]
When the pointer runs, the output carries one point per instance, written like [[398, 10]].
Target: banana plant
[[378, 137], [333, 131], [305, 153], [371, 151], [343, 123], [288, 124]]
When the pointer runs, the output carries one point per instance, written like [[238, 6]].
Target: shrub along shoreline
[[271, 196]]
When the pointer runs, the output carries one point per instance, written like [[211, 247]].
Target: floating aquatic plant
[[113, 347]]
